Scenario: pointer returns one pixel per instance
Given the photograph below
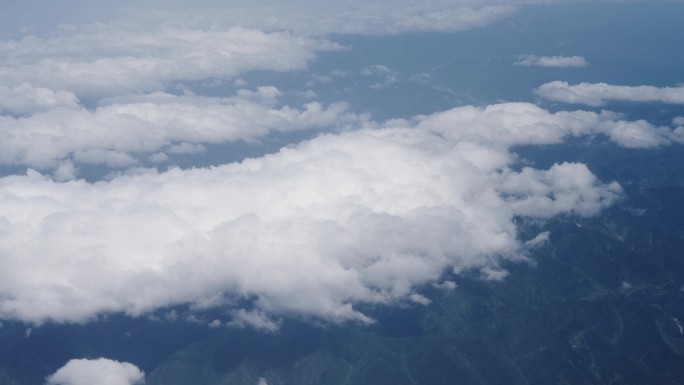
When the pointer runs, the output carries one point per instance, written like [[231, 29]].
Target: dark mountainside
[[601, 303]]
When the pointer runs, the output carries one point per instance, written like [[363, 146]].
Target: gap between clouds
[[360, 217]]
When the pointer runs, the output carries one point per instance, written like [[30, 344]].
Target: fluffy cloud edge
[[124, 129], [101, 371], [358, 217], [302, 17]]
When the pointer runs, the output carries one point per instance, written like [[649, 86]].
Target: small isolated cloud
[[254, 319], [388, 75], [551, 61], [446, 285], [262, 381], [100, 371], [419, 299], [539, 240], [597, 94]]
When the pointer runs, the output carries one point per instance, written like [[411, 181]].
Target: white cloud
[[186, 148], [121, 127], [112, 59], [513, 124], [25, 99], [388, 75], [129, 48], [552, 61], [65, 171], [360, 217], [639, 134], [100, 371], [446, 285], [396, 17], [597, 94], [301, 16], [364, 216], [159, 157], [255, 319]]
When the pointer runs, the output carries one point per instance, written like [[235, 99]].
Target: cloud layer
[[110, 59], [100, 371], [597, 94], [304, 17], [123, 129], [366, 216]]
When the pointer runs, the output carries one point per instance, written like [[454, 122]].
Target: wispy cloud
[[552, 61], [597, 94], [302, 17], [388, 75]]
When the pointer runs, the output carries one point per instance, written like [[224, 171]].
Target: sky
[[123, 189]]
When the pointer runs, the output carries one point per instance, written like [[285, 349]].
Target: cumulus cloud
[[512, 124], [551, 61], [597, 94], [100, 371], [255, 319], [367, 215], [359, 217], [121, 128], [25, 99]]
